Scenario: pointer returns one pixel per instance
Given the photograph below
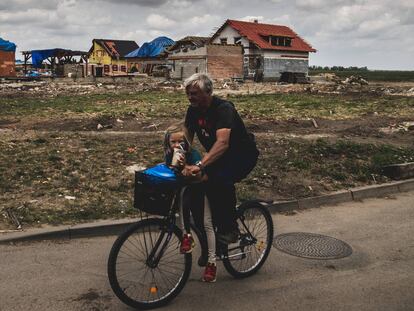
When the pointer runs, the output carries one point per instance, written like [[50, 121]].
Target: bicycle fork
[[158, 250]]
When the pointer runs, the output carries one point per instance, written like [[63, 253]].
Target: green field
[[159, 105]]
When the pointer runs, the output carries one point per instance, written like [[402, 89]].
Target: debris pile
[[53, 88], [355, 80], [327, 83]]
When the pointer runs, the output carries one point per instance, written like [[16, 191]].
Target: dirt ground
[[47, 158]]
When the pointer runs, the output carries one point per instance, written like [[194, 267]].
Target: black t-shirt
[[220, 114]]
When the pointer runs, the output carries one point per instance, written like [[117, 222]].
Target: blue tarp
[[7, 46], [153, 48], [38, 56]]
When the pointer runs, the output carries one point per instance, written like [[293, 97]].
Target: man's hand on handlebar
[[193, 173], [191, 170]]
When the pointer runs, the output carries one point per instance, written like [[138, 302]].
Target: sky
[[378, 34]]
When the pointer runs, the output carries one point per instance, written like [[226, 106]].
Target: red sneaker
[[187, 244], [210, 273]]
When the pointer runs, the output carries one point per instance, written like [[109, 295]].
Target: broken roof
[[116, 48], [194, 40], [255, 32]]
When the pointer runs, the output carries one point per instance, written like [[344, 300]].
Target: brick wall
[[7, 64], [224, 61]]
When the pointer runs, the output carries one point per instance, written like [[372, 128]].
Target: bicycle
[[145, 267]]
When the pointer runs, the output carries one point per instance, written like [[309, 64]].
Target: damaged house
[[107, 57], [150, 56], [197, 55], [7, 58], [269, 50]]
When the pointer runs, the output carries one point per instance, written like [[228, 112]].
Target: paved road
[[379, 275]]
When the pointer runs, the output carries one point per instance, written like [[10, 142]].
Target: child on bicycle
[[192, 197]]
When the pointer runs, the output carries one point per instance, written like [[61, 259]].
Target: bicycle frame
[[156, 254], [221, 250]]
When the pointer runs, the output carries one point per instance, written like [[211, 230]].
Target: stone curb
[[99, 228], [104, 228], [355, 194]]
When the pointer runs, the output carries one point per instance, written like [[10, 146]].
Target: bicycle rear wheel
[[247, 256], [145, 267]]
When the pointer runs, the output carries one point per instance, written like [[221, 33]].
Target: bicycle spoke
[[140, 281], [254, 225]]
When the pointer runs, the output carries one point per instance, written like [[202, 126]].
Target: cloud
[[204, 19], [252, 18], [158, 21], [145, 3], [31, 16], [23, 5]]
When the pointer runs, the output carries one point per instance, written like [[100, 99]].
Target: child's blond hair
[[172, 129]]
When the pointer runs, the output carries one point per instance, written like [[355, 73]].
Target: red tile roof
[[255, 31]]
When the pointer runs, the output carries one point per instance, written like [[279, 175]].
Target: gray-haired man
[[231, 150]]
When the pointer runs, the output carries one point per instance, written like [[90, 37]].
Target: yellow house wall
[[100, 56]]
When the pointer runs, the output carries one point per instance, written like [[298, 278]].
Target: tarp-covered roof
[[153, 48], [7, 46], [38, 56]]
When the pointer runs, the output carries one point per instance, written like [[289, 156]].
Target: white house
[[269, 50]]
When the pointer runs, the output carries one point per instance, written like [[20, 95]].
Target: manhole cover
[[310, 245]]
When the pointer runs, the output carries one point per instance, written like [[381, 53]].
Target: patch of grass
[[148, 104], [300, 106], [166, 105]]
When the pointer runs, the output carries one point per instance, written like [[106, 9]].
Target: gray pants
[[207, 220]]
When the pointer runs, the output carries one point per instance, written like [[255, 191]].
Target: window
[[237, 40], [288, 42], [123, 68], [106, 68], [223, 40], [114, 67], [279, 41], [275, 40]]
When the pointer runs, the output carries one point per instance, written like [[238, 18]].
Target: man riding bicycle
[[231, 151]]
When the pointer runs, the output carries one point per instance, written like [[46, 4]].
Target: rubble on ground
[[355, 80], [63, 86], [321, 84]]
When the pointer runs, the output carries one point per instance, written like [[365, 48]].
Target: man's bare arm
[[220, 146]]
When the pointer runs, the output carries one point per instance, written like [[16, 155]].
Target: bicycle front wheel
[[145, 267], [249, 254]]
